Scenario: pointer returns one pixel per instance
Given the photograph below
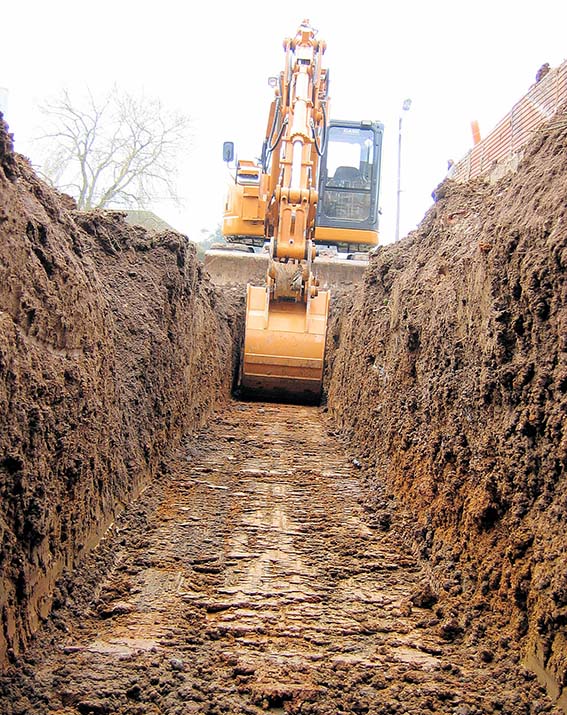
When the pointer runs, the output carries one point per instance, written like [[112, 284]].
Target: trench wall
[[448, 376], [112, 344]]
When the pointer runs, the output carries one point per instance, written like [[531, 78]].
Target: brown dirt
[[400, 550], [251, 578], [112, 344], [449, 374]]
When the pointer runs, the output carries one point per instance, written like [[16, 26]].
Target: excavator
[[314, 187]]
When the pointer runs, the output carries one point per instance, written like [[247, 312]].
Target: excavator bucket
[[284, 346]]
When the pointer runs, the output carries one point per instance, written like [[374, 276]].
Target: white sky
[[456, 60]]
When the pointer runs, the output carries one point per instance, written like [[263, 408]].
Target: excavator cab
[[349, 186]]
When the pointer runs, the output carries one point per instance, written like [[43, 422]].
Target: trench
[[398, 550], [250, 577]]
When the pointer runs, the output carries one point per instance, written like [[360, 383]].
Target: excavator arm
[[300, 111], [277, 203], [286, 320]]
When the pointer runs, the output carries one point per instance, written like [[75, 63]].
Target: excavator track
[[250, 578]]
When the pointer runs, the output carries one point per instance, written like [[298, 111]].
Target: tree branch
[[114, 151]]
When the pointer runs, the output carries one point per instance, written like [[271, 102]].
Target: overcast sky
[[457, 61]]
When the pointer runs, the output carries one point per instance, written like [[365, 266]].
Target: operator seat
[[347, 205], [346, 177]]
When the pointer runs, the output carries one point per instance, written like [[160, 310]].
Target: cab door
[[349, 186]]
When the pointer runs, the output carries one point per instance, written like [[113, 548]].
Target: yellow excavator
[[315, 187]]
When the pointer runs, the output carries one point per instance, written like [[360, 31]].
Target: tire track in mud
[[261, 583]]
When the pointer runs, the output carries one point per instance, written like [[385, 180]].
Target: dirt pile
[[449, 376], [112, 344]]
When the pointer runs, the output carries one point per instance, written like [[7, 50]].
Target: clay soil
[[448, 372], [112, 344], [251, 578], [400, 549]]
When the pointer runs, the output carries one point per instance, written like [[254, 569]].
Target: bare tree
[[122, 150]]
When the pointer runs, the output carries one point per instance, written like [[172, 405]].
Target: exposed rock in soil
[[112, 344], [449, 378]]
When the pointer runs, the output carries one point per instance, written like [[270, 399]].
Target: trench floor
[[250, 578]]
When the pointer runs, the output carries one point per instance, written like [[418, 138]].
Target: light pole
[[405, 107]]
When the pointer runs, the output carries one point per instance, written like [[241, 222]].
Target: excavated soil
[[449, 374], [399, 550]]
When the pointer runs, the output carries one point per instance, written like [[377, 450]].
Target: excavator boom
[[286, 320]]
